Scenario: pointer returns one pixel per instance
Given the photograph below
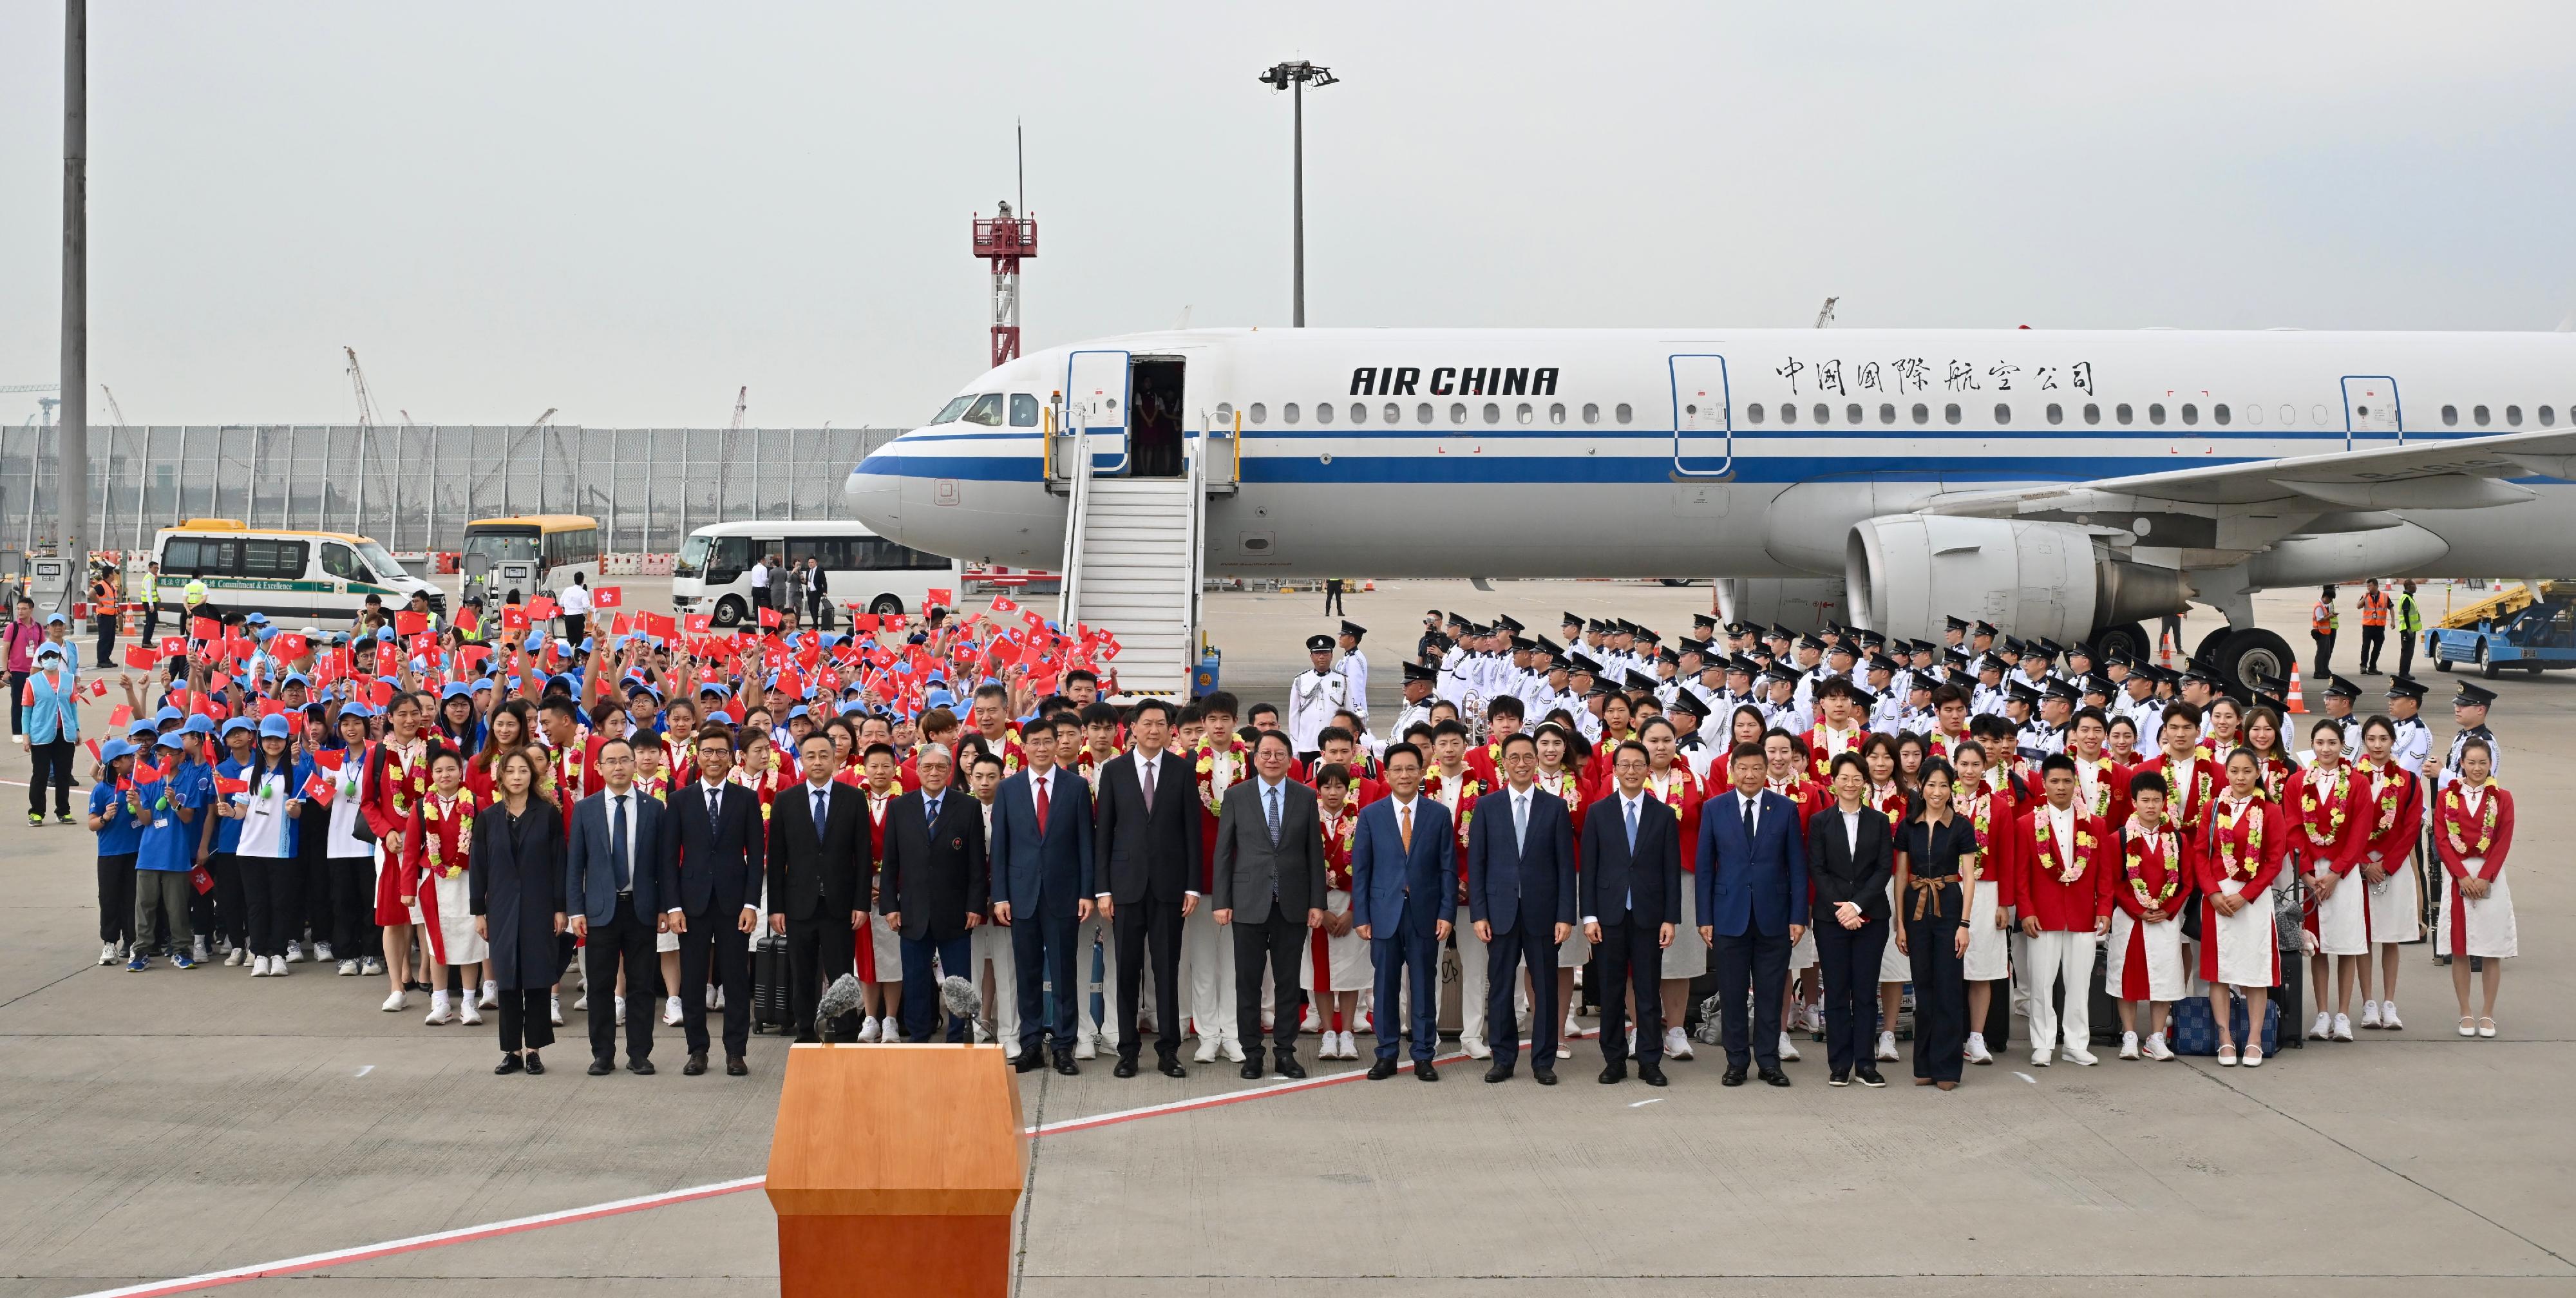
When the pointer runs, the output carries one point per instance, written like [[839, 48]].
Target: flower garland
[[2105, 772], [2455, 809], [2047, 844], [461, 811], [2169, 851], [2330, 798], [2393, 784], [1468, 788], [2233, 860], [1239, 755]]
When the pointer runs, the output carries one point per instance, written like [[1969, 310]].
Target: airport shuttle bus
[[535, 554], [713, 572], [318, 576]]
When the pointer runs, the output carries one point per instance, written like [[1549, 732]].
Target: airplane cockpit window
[[1024, 410], [948, 413], [987, 410]]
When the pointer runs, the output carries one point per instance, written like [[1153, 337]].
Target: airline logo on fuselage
[[1454, 380]]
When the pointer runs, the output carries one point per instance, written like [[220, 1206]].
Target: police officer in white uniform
[[1314, 697]]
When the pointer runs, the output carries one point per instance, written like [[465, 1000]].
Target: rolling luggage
[[770, 1010]]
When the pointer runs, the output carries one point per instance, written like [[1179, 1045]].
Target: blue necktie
[[617, 842], [1274, 815], [930, 812], [1632, 824]]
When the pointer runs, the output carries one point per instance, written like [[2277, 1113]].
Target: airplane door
[[1096, 399], [2372, 417], [1703, 424]]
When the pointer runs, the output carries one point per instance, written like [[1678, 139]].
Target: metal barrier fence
[[415, 487]]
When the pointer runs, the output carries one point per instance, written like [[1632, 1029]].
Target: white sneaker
[[1976, 1049], [1571, 1030], [2080, 1056], [2370, 1014], [2388, 1017], [554, 1010], [491, 997], [870, 1029], [2040, 1058], [259, 966], [348, 968], [1310, 1021], [1011, 1048], [1083, 1047], [1207, 1048], [107, 953], [276, 967], [2128, 1045], [394, 1003], [671, 1012], [471, 1012], [294, 954], [2156, 1048], [715, 998], [1788, 1049], [199, 954], [1677, 1044], [1477, 1049], [2323, 1028], [983, 1035], [621, 1011], [1231, 1049], [581, 1002], [1886, 1051], [438, 1011], [371, 966], [2343, 1027], [322, 953], [233, 958], [1350, 1048]]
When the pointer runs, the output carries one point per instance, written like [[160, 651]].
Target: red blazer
[[2205, 783], [2212, 866], [2063, 907], [2396, 840], [2338, 853], [2153, 870], [1997, 845], [2456, 833]]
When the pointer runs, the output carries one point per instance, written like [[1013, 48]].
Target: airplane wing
[[2452, 473]]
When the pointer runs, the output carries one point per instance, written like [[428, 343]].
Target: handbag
[[2193, 1031]]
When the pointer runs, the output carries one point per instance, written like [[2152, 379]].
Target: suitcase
[[2195, 1032], [770, 1009]]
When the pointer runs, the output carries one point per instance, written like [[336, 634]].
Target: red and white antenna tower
[[1003, 240]]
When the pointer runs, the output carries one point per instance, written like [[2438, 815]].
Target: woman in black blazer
[[515, 882], [1850, 858]]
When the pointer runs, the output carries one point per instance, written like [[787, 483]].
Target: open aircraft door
[[1096, 400]]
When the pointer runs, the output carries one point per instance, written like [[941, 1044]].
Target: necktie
[[1145, 780], [1407, 816], [822, 808], [930, 811], [1042, 783], [1746, 804], [715, 809], [617, 842], [1520, 820], [1632, 824], [1273, 799]]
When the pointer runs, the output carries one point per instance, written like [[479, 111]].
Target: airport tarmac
[[169, 1125]]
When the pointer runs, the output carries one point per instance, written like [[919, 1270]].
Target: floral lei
[[2391, 794], [1235, 748], [2455, 808], [2169, 849], [2229, 859], [2105, 772], [461, 808], [2332, 804], [2047, 844]]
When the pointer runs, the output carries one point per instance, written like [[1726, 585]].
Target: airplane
[[2068, 484]]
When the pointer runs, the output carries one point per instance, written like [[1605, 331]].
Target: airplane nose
[[875, 491]]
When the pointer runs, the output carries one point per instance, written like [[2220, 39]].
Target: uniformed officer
[[1354, 668], [1981, 637], [1990, 695], [1418, 680], [1427, 650], [2338, 700], [1954, 633]]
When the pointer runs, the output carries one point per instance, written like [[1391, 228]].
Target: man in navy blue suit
[[1042, 874], [1520, 897], [1631, 900], [1752, 908], [610, 872], [1400, 898]]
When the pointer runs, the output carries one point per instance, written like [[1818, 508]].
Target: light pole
[[1294, 78], [71, 439]]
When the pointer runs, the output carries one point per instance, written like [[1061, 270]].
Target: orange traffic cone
[[2298, 699]]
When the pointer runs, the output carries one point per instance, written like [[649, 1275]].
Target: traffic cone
[[2298, 699]]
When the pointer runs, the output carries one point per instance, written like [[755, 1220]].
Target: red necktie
[[1042, 804]]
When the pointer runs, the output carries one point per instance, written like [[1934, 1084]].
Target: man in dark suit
[[1270, 891], [1402, 858], [1520, 897], [816, 862], [933, 886], [710, 886], [1752, 908], [1631, 889], [1146, 847], [1042, 872], [611, 876]]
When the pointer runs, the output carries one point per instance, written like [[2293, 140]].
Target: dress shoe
[[1543, 1075], [1652, 1074], [1064, 1064], [510, 1064], [1171, 1068], [1286, 1065], [1251, 1069], [1381, 1070], [1614, 1073], [1424, 1072], [602, 1067], [1734, 1075], [536, 1066], [1125, 1068], [1869, 1077], [640, 1067], [737, 1066], [695, 1067], [1774, 1077], [1028, 1062], [1499, 1073]]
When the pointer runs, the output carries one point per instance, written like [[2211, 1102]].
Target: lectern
[[894, 1170]]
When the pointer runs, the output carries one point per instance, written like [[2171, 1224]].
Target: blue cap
[[168, 713], [356, 708], [200, 724], [273, 727], [257, 619], [483, 684], [55, 619], [853, 706], [938, 699], [172, 741], [384, 633], [456, 690], [800, 710], [241, 724], [49, 651], [295, 678], [716, 688], [141, 726], [113, 749]]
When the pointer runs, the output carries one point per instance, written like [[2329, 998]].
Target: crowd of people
[[1775, 833]]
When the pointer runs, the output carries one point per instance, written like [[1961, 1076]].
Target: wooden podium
[[894, 1170]]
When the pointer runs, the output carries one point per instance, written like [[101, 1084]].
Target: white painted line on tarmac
[[2026, 1077], [365, 1069], [1643, 1103]]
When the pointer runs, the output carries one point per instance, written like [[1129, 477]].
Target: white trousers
[[992, 942], [1207, 974], [2049, 958]]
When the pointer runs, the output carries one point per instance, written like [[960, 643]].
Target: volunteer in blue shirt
[[49, 725], [120, 830], [163, 859]]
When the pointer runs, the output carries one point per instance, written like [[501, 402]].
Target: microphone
[[960, 998], [842, 997]]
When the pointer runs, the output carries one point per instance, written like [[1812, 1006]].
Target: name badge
[[160, 822]]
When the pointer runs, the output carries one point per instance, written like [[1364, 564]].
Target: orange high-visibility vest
[[2322, 619], [2374, 610]]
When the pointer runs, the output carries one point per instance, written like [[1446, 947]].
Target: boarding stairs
[[1133, 550]]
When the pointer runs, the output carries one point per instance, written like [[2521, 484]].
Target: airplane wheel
[[2253, 652], [2209, 644], [2128, 638]]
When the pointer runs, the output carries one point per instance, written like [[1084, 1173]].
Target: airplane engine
[[1909, 571], [1799, 603]]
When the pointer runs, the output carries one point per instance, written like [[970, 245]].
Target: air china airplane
[[2058, 483]]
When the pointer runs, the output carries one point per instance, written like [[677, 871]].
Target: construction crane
[[366, 441], [1825, 315], [724, 465], [116, 430]]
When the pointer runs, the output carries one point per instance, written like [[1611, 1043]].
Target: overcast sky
[[629, 210]]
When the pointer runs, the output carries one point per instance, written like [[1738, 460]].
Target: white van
[[282, 573], [713, 572]]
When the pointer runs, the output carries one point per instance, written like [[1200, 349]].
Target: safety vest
[[2322, 619], [147, 587], [2374, 610], [2410, 619]]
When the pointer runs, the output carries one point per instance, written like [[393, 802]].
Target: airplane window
[[2003, 414], [1260, 413], [1556, 412], [1950, 413], [2155, 412], [1323, 412], [2317, 414], [1288, 413], [948, 413], [2190, 413], [1788, 412], [2092, 413], [1359, 412], [1752, 412], [1225, 413], [1622, 413], [2478, 415], [1457, 412], [2513, 416], [1886, 412], [1493, 413], [1422, 413], [2450, 416], [1394, 413], [2056, 413], [2253, 413], [1524, 414], [1852, 413], [1922, 413], [986, 411], [2290, 415], [1024, 410], [2120, 414], [1824, 413], [2548, 418], [1591, 412], [2218, 413]]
